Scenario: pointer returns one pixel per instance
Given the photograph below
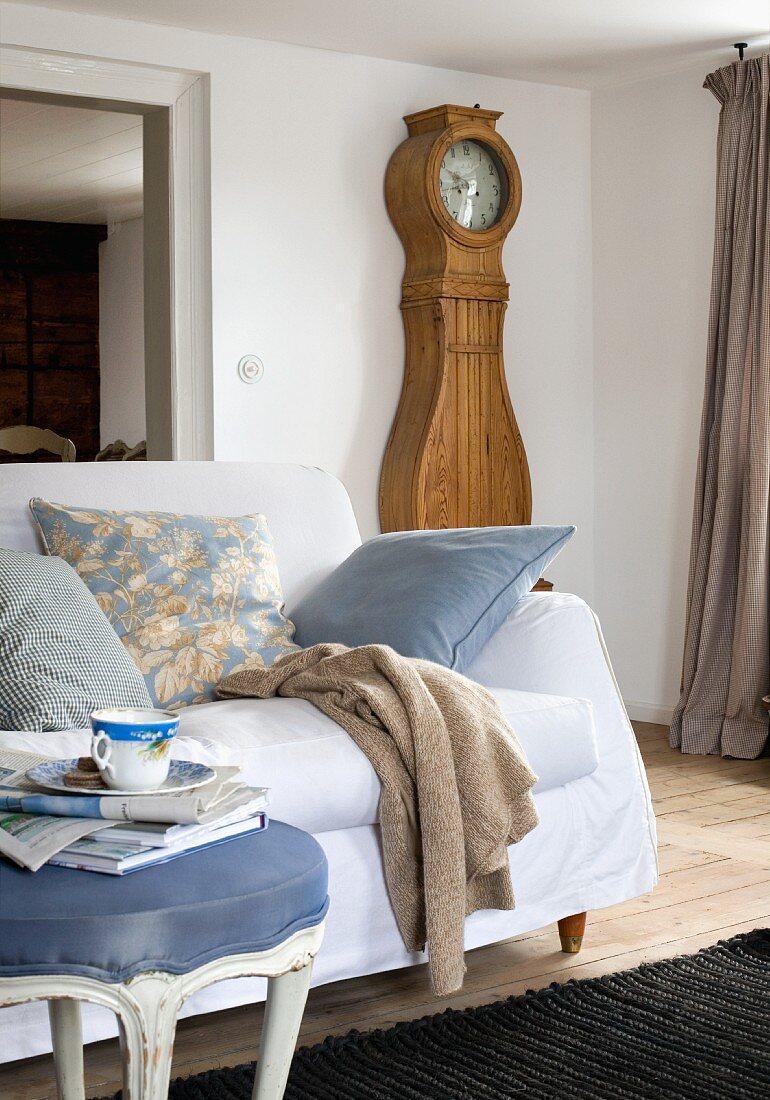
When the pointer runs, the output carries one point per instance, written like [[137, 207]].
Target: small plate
[[183, 775]]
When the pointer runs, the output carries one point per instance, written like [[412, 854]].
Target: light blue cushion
[[248, 894], [439, 595], [192, 598]]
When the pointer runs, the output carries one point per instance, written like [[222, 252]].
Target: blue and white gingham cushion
[[59, 657]]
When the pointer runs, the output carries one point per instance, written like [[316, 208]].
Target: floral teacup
[[132, 746]]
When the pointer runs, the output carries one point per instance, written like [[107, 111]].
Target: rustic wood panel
[[50, 246], [13, 396], [13, 344], [66, 296], [13, 306], [67, 402], [49, 326], [66, 353]]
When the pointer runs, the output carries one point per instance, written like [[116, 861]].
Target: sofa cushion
[[193, 598], [59, 657], [321, 781], [439, 595]]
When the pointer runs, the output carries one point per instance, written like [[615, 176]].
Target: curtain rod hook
[[740, 47]]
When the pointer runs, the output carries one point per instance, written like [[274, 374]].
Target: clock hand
[[471, 172], [451, 187], [471, 187], [455, 175]]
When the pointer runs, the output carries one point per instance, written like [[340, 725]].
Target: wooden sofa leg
[[571, 930]]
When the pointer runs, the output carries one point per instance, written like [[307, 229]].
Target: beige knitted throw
[[455, 782]]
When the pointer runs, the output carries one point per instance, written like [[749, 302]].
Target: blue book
[[116, 858]]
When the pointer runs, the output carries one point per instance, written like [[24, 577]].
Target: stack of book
[[117, 835], [119, 849]]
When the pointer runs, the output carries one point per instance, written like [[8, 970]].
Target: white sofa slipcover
[[595, 845]]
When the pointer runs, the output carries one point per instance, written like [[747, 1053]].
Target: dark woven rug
[[693, 1027]]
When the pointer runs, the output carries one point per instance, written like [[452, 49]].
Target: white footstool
[[140, 945]]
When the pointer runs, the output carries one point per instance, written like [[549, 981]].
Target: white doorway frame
[[178, 340]]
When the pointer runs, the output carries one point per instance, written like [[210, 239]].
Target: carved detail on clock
[[455, 288], [455, 457]]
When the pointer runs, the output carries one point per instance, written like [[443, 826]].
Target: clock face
[[473, 185]]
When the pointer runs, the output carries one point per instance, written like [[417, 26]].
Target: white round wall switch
[[250, 369]]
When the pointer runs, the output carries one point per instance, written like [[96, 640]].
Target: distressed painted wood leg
[[571, 931], [67, 1042], [286, 997], [148, 1010]]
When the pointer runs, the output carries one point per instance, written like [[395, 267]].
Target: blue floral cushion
[[193, 598]]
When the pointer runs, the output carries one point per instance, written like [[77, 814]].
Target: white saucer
[[183, 775]]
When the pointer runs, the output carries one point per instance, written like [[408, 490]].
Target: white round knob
[[250, 369]]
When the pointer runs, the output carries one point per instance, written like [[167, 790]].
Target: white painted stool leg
[[67, 1041], [286, 997], [149, 1005]]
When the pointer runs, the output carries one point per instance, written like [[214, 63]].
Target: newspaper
[[31, 839], [35, 825]]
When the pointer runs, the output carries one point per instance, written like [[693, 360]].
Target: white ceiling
[[582, 43], [66, 164]]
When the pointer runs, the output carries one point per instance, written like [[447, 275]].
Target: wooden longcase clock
[[455, 457]]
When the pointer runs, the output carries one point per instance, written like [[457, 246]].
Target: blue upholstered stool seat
[[246, 895]]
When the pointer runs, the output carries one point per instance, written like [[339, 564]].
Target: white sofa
[[547, 665]]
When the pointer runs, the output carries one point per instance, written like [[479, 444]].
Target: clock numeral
[[466, 150], [446, 201], [491, 168], [495, 191], [483, 219], [491, 206], [452, 152]]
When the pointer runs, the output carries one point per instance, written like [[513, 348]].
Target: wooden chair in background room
[[23, 440]]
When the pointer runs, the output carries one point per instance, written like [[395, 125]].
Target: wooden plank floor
[[714, 833]]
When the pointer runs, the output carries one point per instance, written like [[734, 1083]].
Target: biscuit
[[84, 780]]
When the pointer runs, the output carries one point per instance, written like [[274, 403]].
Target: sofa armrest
[[548, 643], [552, 643]]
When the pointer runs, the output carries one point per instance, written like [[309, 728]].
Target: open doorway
[[72, 358], [170, 109]]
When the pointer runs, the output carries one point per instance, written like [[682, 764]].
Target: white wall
[[121, 334], [307, 268], [653, 216]]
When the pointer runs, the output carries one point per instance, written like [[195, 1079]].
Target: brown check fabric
[[726, 665]]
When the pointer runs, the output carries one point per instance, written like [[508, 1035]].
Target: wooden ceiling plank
[[60, 142], [52, 198], [79, 156], [75, 205]]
